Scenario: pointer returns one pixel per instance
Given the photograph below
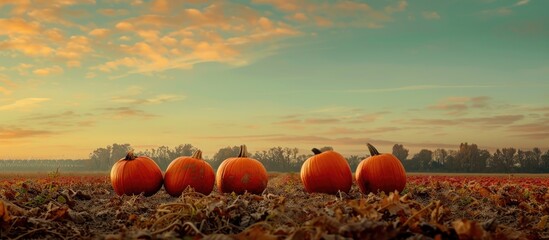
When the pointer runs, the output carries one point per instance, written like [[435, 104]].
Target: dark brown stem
[[197, 154], [130, 155], [373, 150], [316, 151], [243, 152]]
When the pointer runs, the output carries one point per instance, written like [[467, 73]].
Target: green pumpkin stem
[[373, 150], [130, 156], [243, 152], [316, 151], [197, 154]]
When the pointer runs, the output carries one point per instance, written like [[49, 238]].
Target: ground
[[432, 206]]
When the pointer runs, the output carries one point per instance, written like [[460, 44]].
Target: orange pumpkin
[[241, 174], [186, 172], [380, 172], [135, 175], [326, 172]]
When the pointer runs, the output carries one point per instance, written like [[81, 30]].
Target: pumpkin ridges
[[190, 171], [241, 174], [314, 173], [134, 175], [380, 172]]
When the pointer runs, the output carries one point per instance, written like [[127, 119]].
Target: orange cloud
[[48, 71], [27, 46], [125, 26], [323, 22], [113, 65], [265, 23], [23, 104], [74, 50], [55, 35], [161, 5], [19, 7], [99, 32], [18, 26], [53, 15], [8, 87], [299, 17]]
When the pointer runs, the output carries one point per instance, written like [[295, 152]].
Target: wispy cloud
[[158, 99], [499, 120], [461, 105], [415, 88], [7, 133], [537, 129], [64, 120], [430, 15], [522, 2], [23, 104], [505, 10], [127, 112]]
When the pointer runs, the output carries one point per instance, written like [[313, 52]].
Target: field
[[433, 206]]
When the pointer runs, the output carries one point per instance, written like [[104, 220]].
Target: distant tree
[[224, 153], [529, 161], [278, 158], [400, 152], [423, 159], [544, 161], [451, 163], [353, 161], [118, 151], [508, 158], [100, 158], [182, 150], [439, 156], [471, 158]]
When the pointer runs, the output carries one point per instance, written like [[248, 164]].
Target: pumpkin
[[241, 174], [380, 172], [186, 172], [326, 172], [135, 175]]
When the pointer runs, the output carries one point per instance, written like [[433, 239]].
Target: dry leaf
[[542, 223]]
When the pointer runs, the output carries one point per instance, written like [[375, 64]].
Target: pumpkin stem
[[373, 150], [197, 154], [316, 151], [130, 155], [243, 152]]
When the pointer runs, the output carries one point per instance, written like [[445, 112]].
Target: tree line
[[468, 158]]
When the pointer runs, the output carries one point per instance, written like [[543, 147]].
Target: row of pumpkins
[[325, 172]]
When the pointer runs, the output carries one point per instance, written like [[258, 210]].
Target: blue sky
[[77, 75]]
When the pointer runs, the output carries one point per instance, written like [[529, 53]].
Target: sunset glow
[[78, 75]]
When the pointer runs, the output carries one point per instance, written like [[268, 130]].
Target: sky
[[79, 75]]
